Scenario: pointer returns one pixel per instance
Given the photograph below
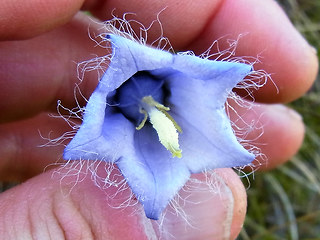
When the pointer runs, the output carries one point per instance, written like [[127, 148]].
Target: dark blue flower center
[[129, 95]]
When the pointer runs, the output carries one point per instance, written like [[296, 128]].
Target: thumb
[[213, 206], [68, 205]]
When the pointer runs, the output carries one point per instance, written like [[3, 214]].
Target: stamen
[[173, 121], [166, 130], [150, 101], [166, 127], [141, 125]]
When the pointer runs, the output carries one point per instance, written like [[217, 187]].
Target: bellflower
[[160, 117]]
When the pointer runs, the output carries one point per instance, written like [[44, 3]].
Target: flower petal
[[207, 141], [103, 142], [128, 57], [153, 175], [206, 69], [222, 75]]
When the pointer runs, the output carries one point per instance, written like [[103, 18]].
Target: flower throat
[[140, 99]]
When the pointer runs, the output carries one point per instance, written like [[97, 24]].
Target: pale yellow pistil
[[166, 127]]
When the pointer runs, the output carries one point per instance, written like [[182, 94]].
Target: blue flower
[[160, 117]]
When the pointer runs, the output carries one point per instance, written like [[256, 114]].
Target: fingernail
[[288, 111]]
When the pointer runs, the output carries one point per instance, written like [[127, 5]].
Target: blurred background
[[288, 207]]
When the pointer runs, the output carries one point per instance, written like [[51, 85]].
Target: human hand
[[36, 72]]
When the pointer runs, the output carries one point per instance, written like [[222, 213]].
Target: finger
[[74, 207], [268, 35], [35, 73], [28, 147], [25, 19], [55, 205], [206, 207], [274, 130], [192, 15]]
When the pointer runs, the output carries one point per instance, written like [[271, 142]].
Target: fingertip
[[275, 130], [282, 138], [268, 36], [240, 200], [213, 207], [291, 62]]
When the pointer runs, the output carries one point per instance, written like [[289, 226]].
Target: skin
[[42, 40]]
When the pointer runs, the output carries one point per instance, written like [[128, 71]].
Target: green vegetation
[[289, 205]]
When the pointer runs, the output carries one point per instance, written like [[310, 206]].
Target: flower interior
[[141, 99]]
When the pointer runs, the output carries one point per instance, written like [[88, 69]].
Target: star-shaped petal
[[196, 91]]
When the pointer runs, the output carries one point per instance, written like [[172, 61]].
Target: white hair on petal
[[106, 175]]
